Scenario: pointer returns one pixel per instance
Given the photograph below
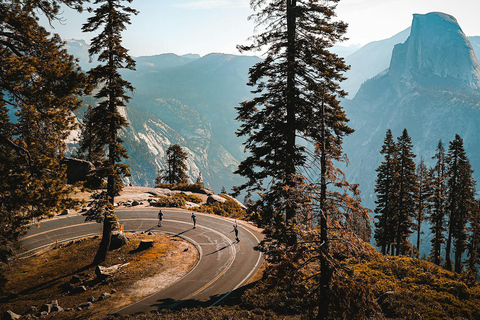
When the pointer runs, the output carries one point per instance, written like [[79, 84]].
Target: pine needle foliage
[[176, 171], [39, 86], [294, 128], [460, 201], [438, 202], [106, 120], [385, 191]]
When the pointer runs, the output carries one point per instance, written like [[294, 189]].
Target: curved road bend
[[223, 265]]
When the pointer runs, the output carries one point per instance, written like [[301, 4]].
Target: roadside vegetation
[[230, 208], [61, 273]]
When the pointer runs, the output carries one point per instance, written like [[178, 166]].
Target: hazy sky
[[205, 26]]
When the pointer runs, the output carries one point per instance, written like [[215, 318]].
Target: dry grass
[[43, 278]]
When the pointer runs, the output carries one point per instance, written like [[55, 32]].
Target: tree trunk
[[290, 170], [448, 261], [325, 272], [105, 243], [458, 256]]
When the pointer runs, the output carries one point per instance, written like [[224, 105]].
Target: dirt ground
[[64, 274]]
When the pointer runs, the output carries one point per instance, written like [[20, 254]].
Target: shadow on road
[[232, 298], [180, 233], [222, 248]]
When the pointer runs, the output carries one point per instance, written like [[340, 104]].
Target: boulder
[[47, 307], [77, 170], [118, 240], [191, 205], [87, 305], [215, 198], [145, 244], [205, 191], [104, 296], [161, 192], [238, 202], [80, 289], [105, 272], [10, 315], [56, 307]]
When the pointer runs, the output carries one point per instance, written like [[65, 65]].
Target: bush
[[228, 209], [191, 198], [192, 187], [175, 201]]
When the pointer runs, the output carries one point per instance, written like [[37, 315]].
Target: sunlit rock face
[[436, 54]]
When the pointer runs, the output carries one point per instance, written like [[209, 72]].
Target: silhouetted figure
[[235, 229], [194, 219], [160, 218]]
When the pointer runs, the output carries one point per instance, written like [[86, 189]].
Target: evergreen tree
[[385, 192], [438, 202], [90, 146], [422, 199], [176, 171], [405, 186], [460, 200], [296, 87], [473, 245], [112, 95], [39, 82]]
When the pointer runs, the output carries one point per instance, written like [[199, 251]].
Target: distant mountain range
[[422, 79], [188, 100]]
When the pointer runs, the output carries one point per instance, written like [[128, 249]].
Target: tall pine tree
[[385, 191], [438, 202], [405, 186], [460, 201], [473, 245], [422, 200], [296, 87], [114, 17]]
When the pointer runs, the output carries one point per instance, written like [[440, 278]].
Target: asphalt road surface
[[224, 264]]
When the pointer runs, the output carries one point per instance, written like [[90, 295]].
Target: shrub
[[175, 201], [190, 198], [192, 187], [228, 209]]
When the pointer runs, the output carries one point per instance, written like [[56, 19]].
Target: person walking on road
[[235, 229], [160, 218], [194, 219]]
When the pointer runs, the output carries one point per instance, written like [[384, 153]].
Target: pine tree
[[112, 95], [385, 192], [473, 245], [405, 186], [422, 199], [176, 171], [460, 200], [39, 82], [438, 202], [296, 87]]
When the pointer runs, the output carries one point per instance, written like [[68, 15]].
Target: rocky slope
[[188, 100]]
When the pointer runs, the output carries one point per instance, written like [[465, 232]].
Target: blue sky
[[205, 26]]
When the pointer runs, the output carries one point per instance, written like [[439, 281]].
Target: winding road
[[224, 265]]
